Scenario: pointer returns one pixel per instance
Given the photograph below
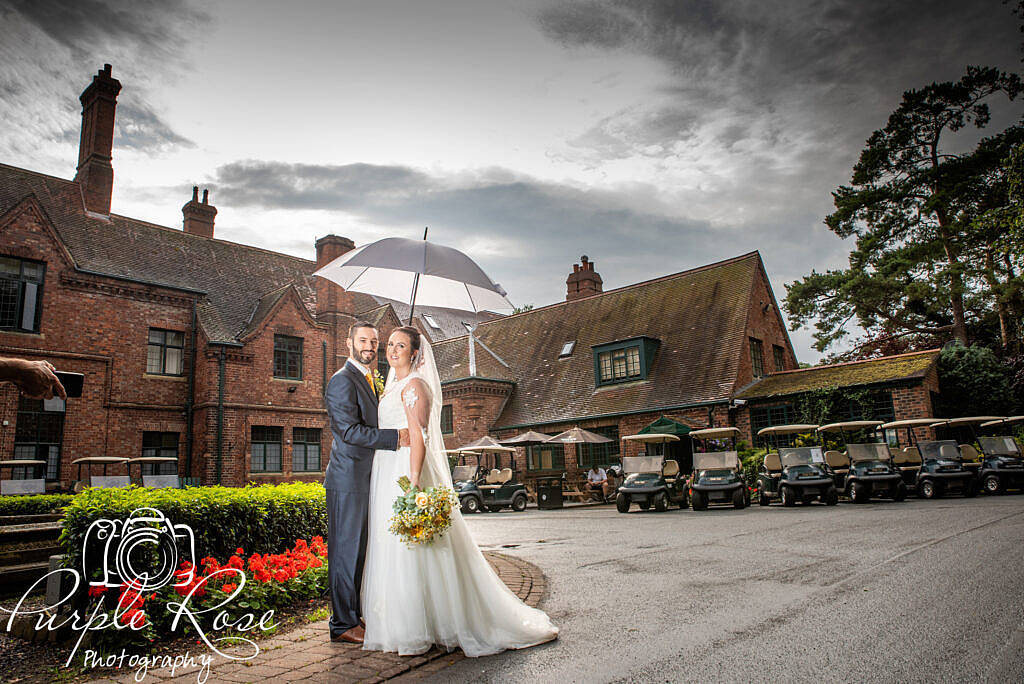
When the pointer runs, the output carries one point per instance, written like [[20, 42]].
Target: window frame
[[287, 355], [779, 357], [756, 360], [264, 442], [567, 349], [429, 318], [607, 454], [21, 282], [534, 457], [447, 419], [164, 448], [647, 348], [164, 346], [24, 410], [306, 443]]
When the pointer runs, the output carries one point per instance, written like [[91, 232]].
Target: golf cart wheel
[[622, 503], [901, 492], [471, 504], [831, 497], [859, 493], [762, 497], [519, 503], [737, 499], [927, 490], [699, 501], [993, 485], [660, 502], [788, 496]]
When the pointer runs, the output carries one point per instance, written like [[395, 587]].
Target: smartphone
[[72, 382]]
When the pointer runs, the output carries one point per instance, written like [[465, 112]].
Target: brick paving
[[305, 654]]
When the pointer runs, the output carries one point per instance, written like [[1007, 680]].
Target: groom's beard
[[366, 357]]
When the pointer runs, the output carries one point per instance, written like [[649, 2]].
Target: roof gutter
[[655, 409], [140, 282]]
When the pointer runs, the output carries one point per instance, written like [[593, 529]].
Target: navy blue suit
[[352, 407]]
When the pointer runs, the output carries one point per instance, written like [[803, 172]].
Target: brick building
[[211, 351]]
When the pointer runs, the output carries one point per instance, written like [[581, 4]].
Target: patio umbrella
[[578, 435], [486, 444], [417, 270], [526, 439]]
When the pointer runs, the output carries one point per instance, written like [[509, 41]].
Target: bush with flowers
[[242, 585]]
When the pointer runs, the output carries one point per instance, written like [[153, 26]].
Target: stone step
[[31, 554], [16, 578], [29, 532], [6, 520]]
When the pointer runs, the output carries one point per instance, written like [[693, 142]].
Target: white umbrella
[[417, 271]]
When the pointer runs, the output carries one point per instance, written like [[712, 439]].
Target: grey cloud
[[139, 127]]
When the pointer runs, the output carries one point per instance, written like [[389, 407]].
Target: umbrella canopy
[[526, 439], [655, 437], [417, 271], [484, 445], [579, 436], [666, 426]]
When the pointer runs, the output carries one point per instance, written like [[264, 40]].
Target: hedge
[[261, 519], [34, 504]]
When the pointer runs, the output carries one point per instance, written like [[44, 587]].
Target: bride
[[444, 593]]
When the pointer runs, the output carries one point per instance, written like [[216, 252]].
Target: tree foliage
[[931, 255], [973, 382]]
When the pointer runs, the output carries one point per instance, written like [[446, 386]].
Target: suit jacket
[[352, 407]]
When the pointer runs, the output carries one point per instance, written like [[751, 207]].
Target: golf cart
[[865, 469], [942, 470], [794, 473], [651, 480], [717, 477], [1002, 463], [491, 488], [906, 457]]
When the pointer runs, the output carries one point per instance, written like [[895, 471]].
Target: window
[[163, 444], [38, 436], [877, 406], [757, 357], [306, 450], [567, 349], [287, 357], [602, 455], [545, 457], [766, 416], [779, 356], [430, 321], [21, 294], [623, 361], [165, 352], [447, 426], [266, 449]]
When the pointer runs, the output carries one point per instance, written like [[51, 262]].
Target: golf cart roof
[[786, 429], [968, 420], [462, 452], [909, 422], [1004, 421], [868, 452], [800, 455], [641, 464], [652, 437], [716, 460], [715, 433], [850, 425]]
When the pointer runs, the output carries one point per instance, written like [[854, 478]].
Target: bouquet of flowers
[[422, 515]]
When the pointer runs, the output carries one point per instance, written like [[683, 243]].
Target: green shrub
[[750, 462], [33, 505], [262, 519]]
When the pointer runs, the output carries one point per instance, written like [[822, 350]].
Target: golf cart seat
[[910, 458], [670, 471], [968, 453], [505, 475], [837, 461], [773, 464], [493, 480], [895, 453]]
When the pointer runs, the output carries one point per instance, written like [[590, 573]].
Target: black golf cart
[[793, 474], [488, 485], [1002, 463], [717, 478], [942, 470], [865, 469], [651, 481], [906, 457]]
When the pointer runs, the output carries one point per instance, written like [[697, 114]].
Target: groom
[[351, 400]]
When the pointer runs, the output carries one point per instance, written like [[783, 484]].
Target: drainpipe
[[323, 368], [190, 400], [220, 410]]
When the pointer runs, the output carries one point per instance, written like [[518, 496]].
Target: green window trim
[[287, 357], [447, 422], [624, 360], [603, 455], [545, 457], [779, 357], [165, 352]]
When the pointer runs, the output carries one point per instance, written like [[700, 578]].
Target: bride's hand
[[415, 480]]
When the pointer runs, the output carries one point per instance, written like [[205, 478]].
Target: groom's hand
[[403, 437]]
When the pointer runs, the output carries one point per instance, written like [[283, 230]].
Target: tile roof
[[698, 315], [886, 369], [449, 321], [237, 279]]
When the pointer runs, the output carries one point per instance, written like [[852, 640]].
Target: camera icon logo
[[141, 550]]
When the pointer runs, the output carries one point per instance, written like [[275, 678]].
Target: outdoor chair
[[773, 464], [838, 462], [670, 471]]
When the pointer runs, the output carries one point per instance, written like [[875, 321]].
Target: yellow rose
[[422, 499]]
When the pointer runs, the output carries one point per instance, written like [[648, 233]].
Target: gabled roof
[[901, 367], [698, 316], [449, 321]]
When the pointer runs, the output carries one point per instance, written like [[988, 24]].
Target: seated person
[[597, 480]]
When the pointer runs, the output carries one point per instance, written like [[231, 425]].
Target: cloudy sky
[[651, 136]]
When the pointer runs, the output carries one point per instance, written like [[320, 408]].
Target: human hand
[[403, 437], [415, 480], [35, 379]]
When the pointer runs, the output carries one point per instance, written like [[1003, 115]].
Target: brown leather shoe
[[353, 635]]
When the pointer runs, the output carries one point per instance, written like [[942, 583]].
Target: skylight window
[[567, 349], [431, 322]]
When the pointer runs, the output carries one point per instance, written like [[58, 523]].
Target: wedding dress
[[444, 593]]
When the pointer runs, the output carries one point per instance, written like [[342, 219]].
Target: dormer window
[[623, 361], [431, 322], [567, 349]]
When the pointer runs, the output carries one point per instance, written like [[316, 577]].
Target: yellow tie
[[373, 388]]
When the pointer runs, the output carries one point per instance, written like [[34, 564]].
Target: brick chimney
[[584, 281], [330, 297], [95, 173], [198, 216]]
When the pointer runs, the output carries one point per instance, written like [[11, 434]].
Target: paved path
[[305, 654]]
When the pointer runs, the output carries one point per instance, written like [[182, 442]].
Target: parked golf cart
[[794, 474], [865, 469], [490, 486], [1002, 463], [651, 480], [717, 477], [942, 470], [906, 456]]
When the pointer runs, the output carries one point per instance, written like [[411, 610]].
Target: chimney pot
[[583, 281], [197, 218], [95, 173], [330, 297], [206, 196]]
